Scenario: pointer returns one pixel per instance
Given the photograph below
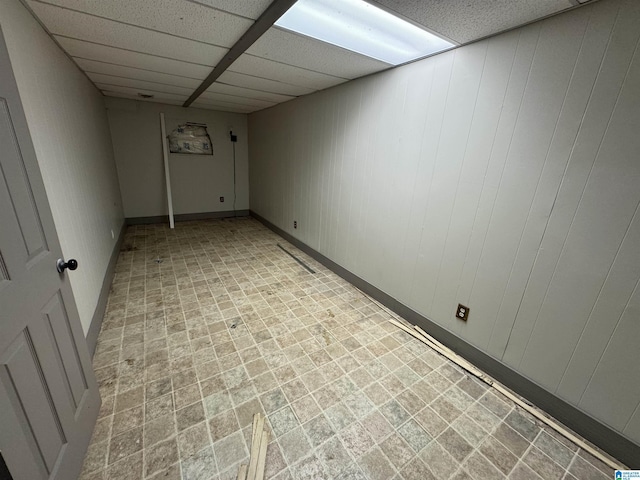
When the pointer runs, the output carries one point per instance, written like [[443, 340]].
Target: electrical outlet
[[295, 224], [462, 312], [221, 199]]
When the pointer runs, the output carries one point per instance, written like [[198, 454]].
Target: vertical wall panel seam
[[417, 169], [439, 142], [362, 195], [619, 317], [341, 211], [305, 181], [595, 303], [571, 153], [635, 411], [428, 202], [371, 164], [336, 186], [407, 225], [400, 113], [350, 221], [584, 188], [341, 222], [313, 179], [332, 214], [327, 162], [515, 123], [320, 182], [484, 178], [635, 289], [535, 194], [464, 156]]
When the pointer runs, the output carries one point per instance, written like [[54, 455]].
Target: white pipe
[[167, 174]]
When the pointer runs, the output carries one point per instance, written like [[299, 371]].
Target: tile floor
[[212, 322]]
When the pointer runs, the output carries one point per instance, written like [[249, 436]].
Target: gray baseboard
[[98, 314], [186, 217], [580, 422]]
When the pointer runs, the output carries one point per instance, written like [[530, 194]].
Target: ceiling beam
[[255, 31]]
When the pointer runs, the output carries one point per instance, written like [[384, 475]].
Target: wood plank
[[262, 455], [256, 438], [256, 419], [423, 336], [242, 472]]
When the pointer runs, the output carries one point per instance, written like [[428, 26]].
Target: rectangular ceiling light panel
[[363, 28]]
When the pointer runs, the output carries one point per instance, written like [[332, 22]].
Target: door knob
[[61, 265]]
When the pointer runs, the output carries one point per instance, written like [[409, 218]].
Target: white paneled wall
[[504, 175], [70, 133], [197, 181]]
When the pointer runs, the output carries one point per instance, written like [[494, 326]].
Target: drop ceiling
[[166, 48]]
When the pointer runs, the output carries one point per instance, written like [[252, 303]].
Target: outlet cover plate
[[462, 312]]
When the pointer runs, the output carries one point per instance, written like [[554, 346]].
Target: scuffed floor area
[[211, 322]]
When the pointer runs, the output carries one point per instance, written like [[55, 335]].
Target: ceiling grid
[[167, 48]]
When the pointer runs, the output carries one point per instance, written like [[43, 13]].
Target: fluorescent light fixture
[[363, 28]]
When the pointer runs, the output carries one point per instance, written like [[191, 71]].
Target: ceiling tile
[[97, 58], [222, 103], [98, 30], [463, 21], [169, 101], [257, 83], [183, 19], [304, 52], [249, 93], [228, 105], [111, 93], [93, 66], [119, 56], [221, 97], [169, 91], [252, 9], [157, 96], [141, 85], [261, 67], [167, 47], [223, 108]]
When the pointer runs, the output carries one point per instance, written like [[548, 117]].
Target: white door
[[49, 398]]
